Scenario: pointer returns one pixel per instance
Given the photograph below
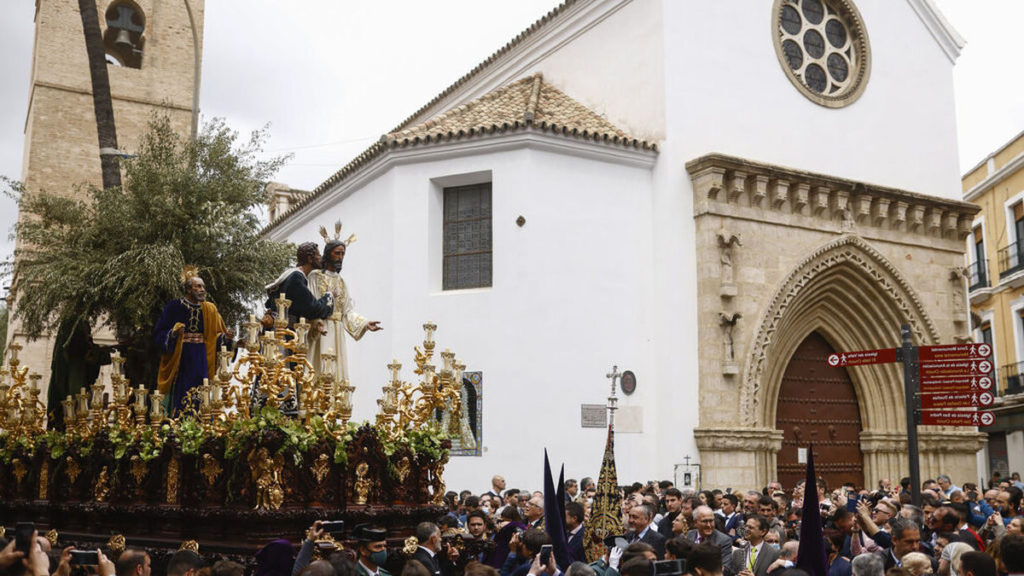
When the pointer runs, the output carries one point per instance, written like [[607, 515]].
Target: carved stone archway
[[852, 295]]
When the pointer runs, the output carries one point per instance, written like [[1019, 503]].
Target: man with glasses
[[705, 533], [754, 559], [535, 513]]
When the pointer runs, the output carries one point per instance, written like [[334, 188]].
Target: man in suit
[[574, 531], [731, 519], [906, 538], [497, 485], [371, 551], [428, 535], [641, 531], [673, 503], [755, 559], [705, 533], [535, 513]]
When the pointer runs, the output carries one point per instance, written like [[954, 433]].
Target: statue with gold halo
[[187, 335], [344, 318]]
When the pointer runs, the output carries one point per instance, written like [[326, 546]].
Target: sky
[[330, 76]]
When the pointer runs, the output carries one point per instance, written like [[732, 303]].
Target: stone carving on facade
[[847, 249], [728, 439], [958, 276], [726, 241], [728, 320]]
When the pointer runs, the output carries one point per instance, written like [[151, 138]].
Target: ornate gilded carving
[[71, 469], [190, 545], [361, 487], [402, 469], [172, 481], [266, 474], [437, 479], [410, 546], [19, 470], [52, 537], [321, 467], [116, 544], [211, 469], [44, 478], [138, 469], [102, 490]]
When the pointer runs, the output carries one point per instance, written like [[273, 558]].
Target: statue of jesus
[[344, 318]]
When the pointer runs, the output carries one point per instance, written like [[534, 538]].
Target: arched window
[[124, 38]]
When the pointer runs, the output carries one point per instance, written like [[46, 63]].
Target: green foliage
[[117, 254], [3, 325]]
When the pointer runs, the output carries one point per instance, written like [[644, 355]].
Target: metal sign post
[[910, 385]]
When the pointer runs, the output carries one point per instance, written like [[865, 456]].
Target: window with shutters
[[467, 237]]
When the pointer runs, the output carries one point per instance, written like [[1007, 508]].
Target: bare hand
[[9, 555], [230, 334], [995, 519], [315, 532], [374, 326], [453, 554], [37, 560], [105, 566], [745, 572], [64, 568]]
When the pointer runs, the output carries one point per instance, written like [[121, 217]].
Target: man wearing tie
[[640, 522], [705, 533], [755, 559], [574, 513]]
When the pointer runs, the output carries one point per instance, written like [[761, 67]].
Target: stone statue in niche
[[726, 241], [728, 322], [958, 276]]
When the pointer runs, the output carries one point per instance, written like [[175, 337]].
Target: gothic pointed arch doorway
[[817, 404]]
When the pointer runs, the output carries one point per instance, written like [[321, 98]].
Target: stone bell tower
[[153, 52]]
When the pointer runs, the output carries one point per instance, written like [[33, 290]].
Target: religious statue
[[187, 335], [294, 284], [362, 484], [266, 474], [344, 318], [726, 240]]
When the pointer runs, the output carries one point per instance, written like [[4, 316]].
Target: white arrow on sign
[[985, 366], [984, 350], [985, 383], [833, 360], [985, 399], [987, 418]]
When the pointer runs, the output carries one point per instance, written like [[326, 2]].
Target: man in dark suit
[[641, 531], [673, 503], [705, 533], [757, 556], [574, 531], [428, 535], [906, 538]]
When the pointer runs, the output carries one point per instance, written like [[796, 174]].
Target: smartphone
[[851, 502], [668, 567], [23, 536], [545, 554], [85, 558], [333, 527]]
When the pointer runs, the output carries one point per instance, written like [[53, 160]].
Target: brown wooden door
[[817, 404]]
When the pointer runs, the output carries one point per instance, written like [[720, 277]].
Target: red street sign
[[954, 368], [954, 352], [861, 357], [956, 418], [956, 384], [956, 400]]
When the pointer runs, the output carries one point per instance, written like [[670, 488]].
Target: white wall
[[569, 299]]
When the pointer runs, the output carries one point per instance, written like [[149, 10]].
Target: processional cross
[[612, 406]]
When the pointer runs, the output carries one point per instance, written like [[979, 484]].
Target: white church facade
[[712, 195]]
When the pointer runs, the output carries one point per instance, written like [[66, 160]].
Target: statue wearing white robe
[[343, 319]]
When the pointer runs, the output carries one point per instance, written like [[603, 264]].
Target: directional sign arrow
[[956, 400], [956, 418], [952, 368], [954, 352], [956, 384], [862, 357]]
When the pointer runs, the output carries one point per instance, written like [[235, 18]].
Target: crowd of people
[[667, 531]]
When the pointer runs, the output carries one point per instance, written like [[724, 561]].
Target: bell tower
[[153, 51]]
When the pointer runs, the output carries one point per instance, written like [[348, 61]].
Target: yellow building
[[995, 258]]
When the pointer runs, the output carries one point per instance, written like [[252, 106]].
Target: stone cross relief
[[726, 241]]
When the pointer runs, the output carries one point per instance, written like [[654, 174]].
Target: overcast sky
[[330, 76]]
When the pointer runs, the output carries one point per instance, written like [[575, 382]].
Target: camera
[[333, 527], [85, 558], [545, 554], [668, 567], [23, 536]]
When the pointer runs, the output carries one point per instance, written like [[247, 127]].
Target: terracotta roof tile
[[529, 102]]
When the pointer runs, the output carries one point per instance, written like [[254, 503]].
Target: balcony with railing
[[1011, 379], [1011, 265]]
